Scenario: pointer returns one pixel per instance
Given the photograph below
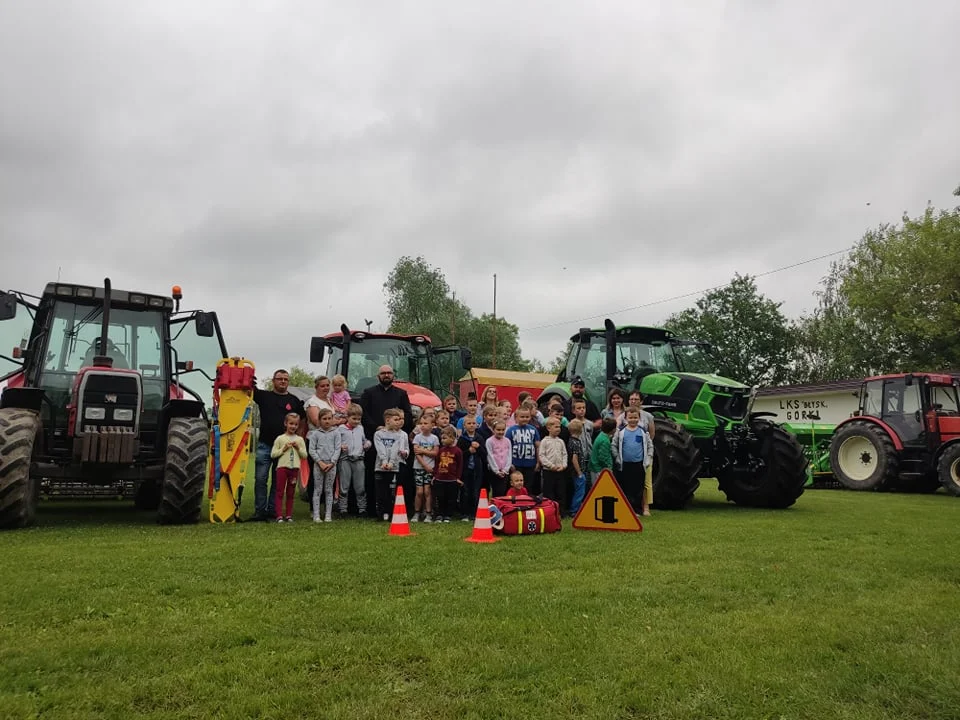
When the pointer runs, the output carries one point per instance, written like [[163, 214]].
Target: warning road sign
[[606, 508]]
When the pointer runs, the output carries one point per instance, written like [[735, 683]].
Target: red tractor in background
[[93, 403], [905, 435]]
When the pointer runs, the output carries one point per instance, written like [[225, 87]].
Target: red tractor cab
[[96, 401], [427, 373], [904, 436]]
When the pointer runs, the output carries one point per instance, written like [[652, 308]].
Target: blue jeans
[[263, 501]]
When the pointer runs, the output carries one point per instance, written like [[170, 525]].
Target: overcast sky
[[595, 156]]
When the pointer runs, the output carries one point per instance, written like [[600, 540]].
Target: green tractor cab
[[704, 424]]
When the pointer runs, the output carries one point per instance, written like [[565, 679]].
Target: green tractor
[[704, 425]]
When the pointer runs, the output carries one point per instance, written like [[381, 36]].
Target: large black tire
[[948, 470], [778, 480], [19, 492], [676, 463], [862, 457], [184, 472]]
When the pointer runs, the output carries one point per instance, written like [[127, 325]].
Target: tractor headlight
[[123, 415], [416, 411], [94, 413]]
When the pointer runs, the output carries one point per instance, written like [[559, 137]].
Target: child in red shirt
[[447, 473], [516, 484]]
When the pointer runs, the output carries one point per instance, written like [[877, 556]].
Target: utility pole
[[453, 319], [493, 325]]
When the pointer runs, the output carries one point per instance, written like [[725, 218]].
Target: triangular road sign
[[606, 508]]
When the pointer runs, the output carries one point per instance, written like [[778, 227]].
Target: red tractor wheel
[[863, 457], [948, 470]]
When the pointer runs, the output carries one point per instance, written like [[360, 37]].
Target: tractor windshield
[[633, 359], [695, 357], [409, 360], [134, 341]]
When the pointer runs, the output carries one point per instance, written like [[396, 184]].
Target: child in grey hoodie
[[393, 448], [353, 445], [324, 451]]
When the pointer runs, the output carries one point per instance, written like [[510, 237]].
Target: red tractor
[[94, 402], [905, 435]]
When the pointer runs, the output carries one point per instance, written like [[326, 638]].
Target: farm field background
[[844, 606]]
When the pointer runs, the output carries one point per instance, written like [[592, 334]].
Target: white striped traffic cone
[[482, 531]]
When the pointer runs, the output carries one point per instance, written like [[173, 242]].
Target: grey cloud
[[250, 153]]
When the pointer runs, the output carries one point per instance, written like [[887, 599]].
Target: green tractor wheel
[[774, 482], [676, 462]]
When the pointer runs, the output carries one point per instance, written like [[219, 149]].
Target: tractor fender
[[894, 438], [25, 398], [943, 448], [558, 389], [185, 408]]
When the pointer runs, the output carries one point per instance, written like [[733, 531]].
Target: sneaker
[[317, 520], [289, 519], [414, 518], [328, 519], [428, 518], [279, 520], [465, 519], [446, 519], [386, 517]]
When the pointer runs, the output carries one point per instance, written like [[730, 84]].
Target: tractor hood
[[419, 395], [711, 379]]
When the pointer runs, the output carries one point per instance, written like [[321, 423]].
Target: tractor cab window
[[872, 398], [14, 333], [133, 342], [946, 398], [409, 361], [202, 353], [901, 409]]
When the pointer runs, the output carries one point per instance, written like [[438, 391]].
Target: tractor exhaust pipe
[[610, 337], [103, 359]]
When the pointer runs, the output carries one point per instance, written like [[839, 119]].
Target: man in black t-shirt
[[577, 390], [274, 406]]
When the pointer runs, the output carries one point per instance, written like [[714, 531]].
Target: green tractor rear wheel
[[676, 462], [775, 482]]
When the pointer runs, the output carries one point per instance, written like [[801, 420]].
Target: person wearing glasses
[[274, 406]]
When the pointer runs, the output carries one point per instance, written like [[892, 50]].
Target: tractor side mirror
[[908, 379], [316, 349], [585, 336], [8, 306], [466, 358], [204, 324]]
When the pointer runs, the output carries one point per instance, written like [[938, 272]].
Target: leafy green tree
[[560, 361], [903, 288], [298, 378], [752, 339], [420, 300]]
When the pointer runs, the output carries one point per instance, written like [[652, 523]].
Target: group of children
[[453, 453]]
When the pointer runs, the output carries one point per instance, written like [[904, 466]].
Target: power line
[[685, 295]]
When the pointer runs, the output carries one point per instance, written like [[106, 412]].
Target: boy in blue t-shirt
[[629, 452], [525, 439]]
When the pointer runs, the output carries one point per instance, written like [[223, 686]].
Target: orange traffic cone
[[399, 524], [482, 531]]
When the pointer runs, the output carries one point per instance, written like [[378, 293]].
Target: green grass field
[[844, 606]]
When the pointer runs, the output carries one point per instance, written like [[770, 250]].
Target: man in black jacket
[[376, 400]]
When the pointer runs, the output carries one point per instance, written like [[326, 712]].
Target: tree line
[[891, 304]]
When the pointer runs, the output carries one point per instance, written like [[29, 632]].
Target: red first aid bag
[[525, 515]]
